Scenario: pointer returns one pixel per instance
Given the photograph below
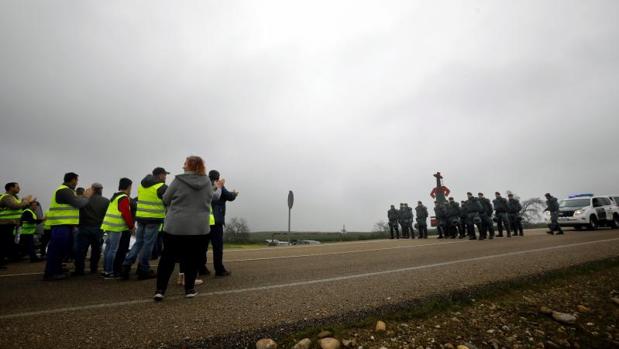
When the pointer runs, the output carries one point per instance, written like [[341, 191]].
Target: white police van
[[588, 211]]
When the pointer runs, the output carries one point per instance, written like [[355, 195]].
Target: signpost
[[290, 203]]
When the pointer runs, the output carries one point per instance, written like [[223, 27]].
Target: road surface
[[274, 287]]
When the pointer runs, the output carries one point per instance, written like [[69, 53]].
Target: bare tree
[[237, 230], [381, 227], [532, 210]]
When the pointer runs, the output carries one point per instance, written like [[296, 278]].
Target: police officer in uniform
[[486, 217], [422, 216], [402, 220], [409, 220], [513, 209], [453, 218], [393, 215], [502, 218], [553, 207], [473, 210], [441, 215], [463, 225]]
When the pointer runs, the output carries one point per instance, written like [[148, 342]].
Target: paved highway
[[273, 286]]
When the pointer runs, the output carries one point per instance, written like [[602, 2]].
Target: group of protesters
[[175, 223]]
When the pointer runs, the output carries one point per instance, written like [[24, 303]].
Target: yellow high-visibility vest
[[29, 228], [8, 213], [113, 220], [149, 204], [62, 214]]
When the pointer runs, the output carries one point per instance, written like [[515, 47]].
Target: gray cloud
[[353, 105]]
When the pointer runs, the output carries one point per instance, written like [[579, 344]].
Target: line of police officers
[[457, 220]]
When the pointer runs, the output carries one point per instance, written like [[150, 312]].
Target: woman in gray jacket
[[188, 200]]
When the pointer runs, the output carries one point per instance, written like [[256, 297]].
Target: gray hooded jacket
[[188, 200]]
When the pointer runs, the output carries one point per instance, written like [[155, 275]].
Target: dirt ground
[[516, 315]]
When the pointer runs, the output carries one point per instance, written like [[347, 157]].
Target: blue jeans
[[145, 237], [58, 249], [111, 247]]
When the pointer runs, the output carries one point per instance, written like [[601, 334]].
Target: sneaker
[[110, 276], [158, 297], [550, 232], [197, 282], [191, 293], [560, 233]]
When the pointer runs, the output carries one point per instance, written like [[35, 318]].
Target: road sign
[[290, 199]]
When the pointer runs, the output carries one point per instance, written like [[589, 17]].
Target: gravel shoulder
[[576, 307]]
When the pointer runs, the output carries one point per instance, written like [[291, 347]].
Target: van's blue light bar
[[586, 195]]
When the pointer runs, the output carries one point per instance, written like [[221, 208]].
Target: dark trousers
[[516, 224], [487, 225], [27, 244], [186, 249], [88, 237], [7, 242], [47, 235], [58, 249], [216, 238], [393, 225], [123, 248], [423, 230]]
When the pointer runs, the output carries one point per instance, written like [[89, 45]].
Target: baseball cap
[[159, 170], [97, 185]]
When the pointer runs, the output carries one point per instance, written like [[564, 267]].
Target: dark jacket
[[513, 206], [219, 206], [93, 213], [453, 209], [487, 205], [500, 205], [148, 182], [553, 204], [392, 215], [473, 206], [422, 212]]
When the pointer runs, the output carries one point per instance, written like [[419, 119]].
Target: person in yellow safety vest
[[63, 217], [149, 216], [118, 221], [11, 207], [29, 222]]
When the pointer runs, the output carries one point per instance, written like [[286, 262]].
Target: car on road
[[588, 211]]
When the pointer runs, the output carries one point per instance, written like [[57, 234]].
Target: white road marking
[[307, 282], [296, 256]]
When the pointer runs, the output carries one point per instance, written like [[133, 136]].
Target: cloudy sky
[[351, 104]]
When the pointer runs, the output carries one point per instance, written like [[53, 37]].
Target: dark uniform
[[393, 215], [402, 220], [462, 219], [487, 225], [453, 218], [473, 210], [513, 209], [553, 207], [441, 215], [409, 221], [422, 216], [500, 213]]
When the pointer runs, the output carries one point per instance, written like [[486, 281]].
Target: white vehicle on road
[[588, 211]]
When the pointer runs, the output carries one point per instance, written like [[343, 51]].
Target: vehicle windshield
[[616, 199], [574, 203]]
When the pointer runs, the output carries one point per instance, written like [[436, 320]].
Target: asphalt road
[[273, 286]]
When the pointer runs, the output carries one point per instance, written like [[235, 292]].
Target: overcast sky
[[351, 104]]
